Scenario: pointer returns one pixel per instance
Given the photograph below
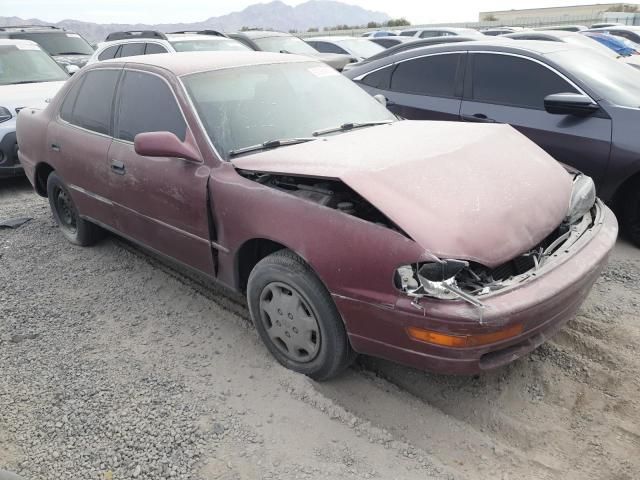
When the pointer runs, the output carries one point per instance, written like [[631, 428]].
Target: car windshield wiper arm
[[350, 126], [270, 144]]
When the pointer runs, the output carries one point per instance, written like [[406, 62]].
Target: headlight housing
[[432, 279], [583, 197], [5, 114]]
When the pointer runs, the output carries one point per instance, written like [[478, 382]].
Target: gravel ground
[[115, 365]]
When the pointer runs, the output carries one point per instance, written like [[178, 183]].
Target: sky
[[172, 11]]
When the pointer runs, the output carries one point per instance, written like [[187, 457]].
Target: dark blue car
[[620, 45]]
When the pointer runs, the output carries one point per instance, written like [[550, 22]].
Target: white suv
[[28, 78], [146, 42]]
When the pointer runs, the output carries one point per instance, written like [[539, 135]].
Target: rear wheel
[[631, 213], [296, 317], [75, 229]]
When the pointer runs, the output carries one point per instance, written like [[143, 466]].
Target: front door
[[511, 89], [160, 202]]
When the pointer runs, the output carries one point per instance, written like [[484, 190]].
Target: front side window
[[433, 76], [89, 103], [26, 63], [246, 106], [109, 53], [152, 48], [132, 49], [147, 104], [514, 81]]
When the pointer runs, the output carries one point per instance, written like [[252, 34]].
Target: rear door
[[79, 140], [507, 88], [160, 202], [423, 88]]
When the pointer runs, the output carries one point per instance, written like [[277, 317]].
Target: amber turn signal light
[[463, 341]]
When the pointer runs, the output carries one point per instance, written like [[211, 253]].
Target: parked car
[[348, 230], [628, 32], [66, 47], [147, 42], [278, 42], [379, 33], [358, 48], [388, 42], [582, 39], [411, 44], [28, 77], [566, 28], [619, 45], [579, 105], [439, 32]]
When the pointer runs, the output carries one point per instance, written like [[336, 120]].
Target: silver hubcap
[[289, 322]]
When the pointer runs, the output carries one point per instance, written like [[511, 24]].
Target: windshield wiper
[[270, 144], [349, 126], [70, 53]]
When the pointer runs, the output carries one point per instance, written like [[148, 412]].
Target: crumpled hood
[[28, 94], [475, 192]]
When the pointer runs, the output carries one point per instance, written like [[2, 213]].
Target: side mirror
[[164, 144], [570, 104], [439, 272], [382, 100], [71, 69], [285, 51]]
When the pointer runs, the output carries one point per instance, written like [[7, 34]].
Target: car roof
[[262, 34], [185, 63], [542, 33], [631, 28], [329, 38], [33, 29]]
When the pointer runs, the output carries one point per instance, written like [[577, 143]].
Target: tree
[[489, 18], [398, 22], [313, 29], [373, 25], [622, 7]]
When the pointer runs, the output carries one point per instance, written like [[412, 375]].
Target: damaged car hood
[[483, 193]]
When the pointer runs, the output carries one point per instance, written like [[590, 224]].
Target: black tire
[[631, 213], [285, 270], [75, 229]]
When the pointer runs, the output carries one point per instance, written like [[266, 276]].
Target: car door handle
[[478, 117], [55, 147], [118, 167]]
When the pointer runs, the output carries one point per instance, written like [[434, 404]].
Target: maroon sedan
[[348, 230]]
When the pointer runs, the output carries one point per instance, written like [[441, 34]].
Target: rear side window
[[109, 53], [326, 47], [409, 33], [132, 49], [147, 105], [89, 103], [434, 76], [154, 48], [514, 81], [380, 79]]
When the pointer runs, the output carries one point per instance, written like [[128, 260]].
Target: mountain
[[275, 15]]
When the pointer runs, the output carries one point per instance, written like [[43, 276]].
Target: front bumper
[[542, 305], [9, 163]]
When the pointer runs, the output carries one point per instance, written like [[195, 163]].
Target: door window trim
[[468, 93]]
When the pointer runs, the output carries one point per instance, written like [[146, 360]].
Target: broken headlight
[[583, 197], [432, 279]]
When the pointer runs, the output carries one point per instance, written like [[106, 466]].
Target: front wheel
[[75, 229], [631, 213], [296, 317]]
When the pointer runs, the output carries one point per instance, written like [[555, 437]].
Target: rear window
[[58, 43]]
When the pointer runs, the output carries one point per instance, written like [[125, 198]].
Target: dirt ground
[[114, 364]]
